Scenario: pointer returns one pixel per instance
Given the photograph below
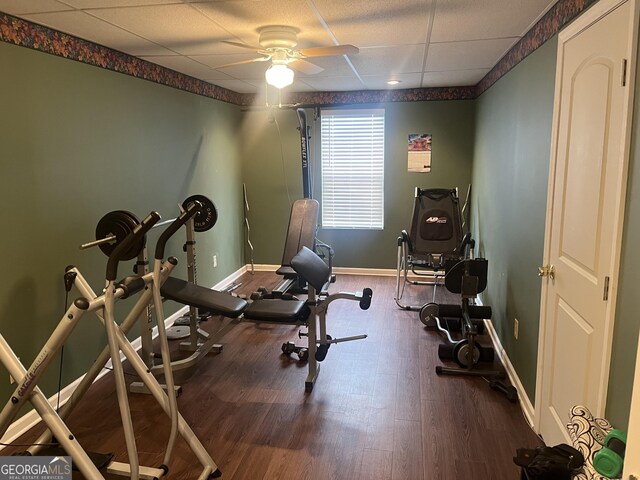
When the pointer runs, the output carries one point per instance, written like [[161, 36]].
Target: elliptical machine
[[125, 247]]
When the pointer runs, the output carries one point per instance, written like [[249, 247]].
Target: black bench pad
[[217, 303], [286, 271], [276, 310]]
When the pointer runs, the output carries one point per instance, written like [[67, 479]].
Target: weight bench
[[301, 232], [203, 298], [312, 312]]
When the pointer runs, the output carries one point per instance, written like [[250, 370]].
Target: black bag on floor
[[548, 463]]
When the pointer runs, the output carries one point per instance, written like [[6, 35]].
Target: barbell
[[115, 226]]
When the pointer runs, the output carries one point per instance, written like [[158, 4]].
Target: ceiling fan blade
[[244, 62], [305, 67], [329, 51], [241, 45]]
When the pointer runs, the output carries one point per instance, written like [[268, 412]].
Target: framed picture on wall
[[419, 152]]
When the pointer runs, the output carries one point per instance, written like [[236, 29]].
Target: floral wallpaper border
[[551, 23], [26, 34], [23, 33]]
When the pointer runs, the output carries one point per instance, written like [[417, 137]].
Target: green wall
[[272, 173], [77, 142], [510, 176]]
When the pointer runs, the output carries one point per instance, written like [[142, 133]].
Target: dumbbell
[[609, 460], [290, 347]]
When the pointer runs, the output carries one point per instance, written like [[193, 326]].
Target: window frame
[[374, 164]]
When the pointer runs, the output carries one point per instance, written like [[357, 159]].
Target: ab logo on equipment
[[35, 468]]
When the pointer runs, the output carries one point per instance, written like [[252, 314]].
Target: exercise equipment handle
[[365, 302], [193, 208], [138, 232]]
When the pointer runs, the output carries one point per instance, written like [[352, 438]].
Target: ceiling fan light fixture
[[279, 76]]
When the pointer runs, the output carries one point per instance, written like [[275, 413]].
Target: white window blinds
[[352, 168]]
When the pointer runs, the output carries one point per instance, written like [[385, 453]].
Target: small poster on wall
[[419, 147]]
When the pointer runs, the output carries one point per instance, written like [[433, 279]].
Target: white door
[[632, 453], [586, 202]]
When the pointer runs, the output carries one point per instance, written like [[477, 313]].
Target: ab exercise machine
[[438, 248], [27, 390]]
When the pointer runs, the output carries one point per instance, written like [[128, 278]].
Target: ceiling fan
[[277, 44]]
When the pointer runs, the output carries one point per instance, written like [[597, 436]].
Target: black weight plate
[[135, 221], [113, 223], [461, 353], [119, 223], [428, 312], [206, 217]]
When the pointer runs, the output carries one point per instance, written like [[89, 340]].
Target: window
[[352, 168]]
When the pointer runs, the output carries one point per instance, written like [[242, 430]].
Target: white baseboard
[[30, 419], [378, 272], [525, 403]]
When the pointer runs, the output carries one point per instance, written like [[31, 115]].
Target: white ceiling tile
[[457, 78], [244, 18], [379, 82], [250, 70], [484, 19], [365, 23], [115, 3], [180, 28], [239, 86], [333, 66], [20, 7], [468, 55], [334, 83], [388, 60], [302, 85], [187, 66], [85, 26]]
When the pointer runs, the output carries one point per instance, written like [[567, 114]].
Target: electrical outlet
[[516, 324], [215, 261]]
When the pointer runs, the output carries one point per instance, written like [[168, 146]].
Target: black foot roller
[[323, 349]]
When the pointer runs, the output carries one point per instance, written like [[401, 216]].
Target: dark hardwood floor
[[378, 409]]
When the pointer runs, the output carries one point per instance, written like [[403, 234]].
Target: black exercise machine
[[112, 229], [436, 235], [467, 277], [301, 232], [311, 313], [303, 223]]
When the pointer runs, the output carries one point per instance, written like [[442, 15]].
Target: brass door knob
[[547, 271]]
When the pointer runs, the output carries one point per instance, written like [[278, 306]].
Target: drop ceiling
[[421, 43]]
